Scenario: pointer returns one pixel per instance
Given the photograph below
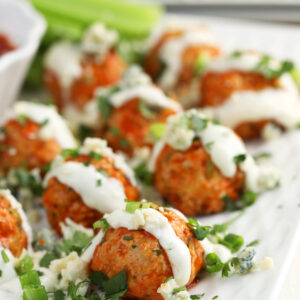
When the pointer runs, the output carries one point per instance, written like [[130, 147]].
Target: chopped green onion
[[24, 265], [102, 223], [4, 256]]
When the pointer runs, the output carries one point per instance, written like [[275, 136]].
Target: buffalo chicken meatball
[[73, 72], [15, 233], [136, 108], [174, 51], [84, 184], [143, 253], [247, 92], [199, 165], [32, 136]]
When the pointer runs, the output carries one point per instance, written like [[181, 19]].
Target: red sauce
[[5, 44]]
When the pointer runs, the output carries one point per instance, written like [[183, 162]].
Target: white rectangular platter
[[274, 218]]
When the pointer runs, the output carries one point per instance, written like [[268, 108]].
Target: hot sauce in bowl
[[5, 44]]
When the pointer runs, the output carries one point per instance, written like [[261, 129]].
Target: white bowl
[[25, 28]]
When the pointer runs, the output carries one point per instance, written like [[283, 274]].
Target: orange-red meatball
[[93, 75], [21, 146], [146, 263], [153, 64], [12, 234], [216, 87], [191, 183], [127, 128], [61, 201]]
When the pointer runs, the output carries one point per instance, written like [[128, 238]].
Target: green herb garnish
[[239, 158], [102, 223]]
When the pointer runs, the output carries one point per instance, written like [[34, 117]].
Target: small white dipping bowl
[[25, 28]]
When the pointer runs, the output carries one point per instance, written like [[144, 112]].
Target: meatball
[[31, 136], [248, 91], [128, 128], [154, 65], [216, 88], [144, 260], [21, 146], [12, 233], [191, 182], [93, 75], [61, 201]]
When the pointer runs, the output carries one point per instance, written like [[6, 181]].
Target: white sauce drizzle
[[17, 206], [166, 290], [246, 62], [54, 128], [281, 104], [64, 59], [136, 84], [226, 145], [172, 51], [150, 94], [83, 179], [100, 146], [89, 252], [157, 224]]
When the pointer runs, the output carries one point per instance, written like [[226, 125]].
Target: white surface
[[278, 228], [25, 28], [274, 220]]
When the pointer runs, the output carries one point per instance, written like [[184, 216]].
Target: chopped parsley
[[26, 179], [247, 199], [78, 243], [102, 223], [142, 174], [47, 258], [114, 287], [99, 182], [209, 145], [84, 132], [44, 123], [95, 155], [146, 111], [239, 158], [233, 242], [237, 53], [104, 106], [264, 67], [66, 153], [199, 231], [197, 297], [262, 155], [127, 238], [158, 252], [253, 243], [178, 289], [103, 172], [22, 118], [198, 123], [229, 204]]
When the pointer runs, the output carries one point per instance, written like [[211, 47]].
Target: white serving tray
[[274, 219]]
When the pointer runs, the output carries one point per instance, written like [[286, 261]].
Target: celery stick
[[134, 23]]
